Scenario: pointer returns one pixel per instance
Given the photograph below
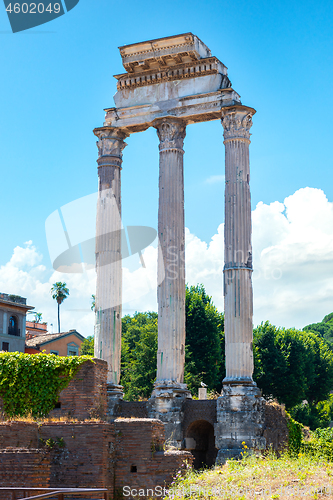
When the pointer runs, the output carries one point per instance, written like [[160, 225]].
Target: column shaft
[[171, 257], [238, 296], [108, 303]]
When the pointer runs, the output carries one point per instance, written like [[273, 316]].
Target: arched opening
[[13, 326], [200, 440]]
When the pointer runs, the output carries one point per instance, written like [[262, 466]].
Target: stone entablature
[[165, 52], [173, 76], [194, 69]]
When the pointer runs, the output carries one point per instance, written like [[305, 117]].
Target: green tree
[[87, 346], [204, 347], [292, 365], [59, 293], [138, 355], [324, 329]]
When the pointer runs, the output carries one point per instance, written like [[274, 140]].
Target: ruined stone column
[[171, 233], [170, 390], [108, 303], [237, 247], [240, 409]]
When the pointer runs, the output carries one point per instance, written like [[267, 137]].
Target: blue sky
[[57, 78]]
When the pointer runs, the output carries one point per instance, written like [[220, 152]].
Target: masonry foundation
[[240, 421]]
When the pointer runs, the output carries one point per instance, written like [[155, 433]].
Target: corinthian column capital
[[110, 143], [171, 133], [237, 121]]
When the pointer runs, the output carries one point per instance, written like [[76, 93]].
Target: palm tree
[[38, 317], [59, 293]]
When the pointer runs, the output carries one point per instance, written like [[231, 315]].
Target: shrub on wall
[[30, 384], [295, 435]]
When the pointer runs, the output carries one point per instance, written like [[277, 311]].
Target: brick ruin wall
[[126, 452], [143, 462]]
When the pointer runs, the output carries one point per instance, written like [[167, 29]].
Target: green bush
[[314, 415], [295, 435], [30, 383], [320, 444]]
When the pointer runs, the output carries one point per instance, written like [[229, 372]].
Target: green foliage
[[314, 415], [295, 435], [138, 355], [324, 329], [87, 346], [292, 365], [38, 317], [30, 384], [59, 292], [204, 346], [320, 445]]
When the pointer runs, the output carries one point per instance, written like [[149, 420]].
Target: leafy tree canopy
[[138, 355], [87, 346], [292, 365], [204, 346], [324, 329]]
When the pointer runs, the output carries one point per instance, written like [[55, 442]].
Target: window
[[13, 326], [55, 352], [5, 346], [72, 349]]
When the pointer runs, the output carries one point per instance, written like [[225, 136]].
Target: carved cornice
[[208, 66], [171, 133], [237, 122], [111, 142], [166, 51]]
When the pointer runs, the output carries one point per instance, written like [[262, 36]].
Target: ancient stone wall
[[141, 461], [82, 455], [18, 435], [85, 396], [136, 409], [127, 452], [199, 410], [276, 430], [23, 467]]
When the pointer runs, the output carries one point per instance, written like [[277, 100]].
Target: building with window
[[62, 344], [13, 309]]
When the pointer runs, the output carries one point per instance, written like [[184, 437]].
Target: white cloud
[[215, 179], [293, 262], [293, 259]]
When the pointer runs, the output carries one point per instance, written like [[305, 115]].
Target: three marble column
[[239, 409]]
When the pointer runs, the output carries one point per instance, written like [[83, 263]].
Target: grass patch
[[263, 476]]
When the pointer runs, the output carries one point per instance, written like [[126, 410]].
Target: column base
[[170, 389], [115, 394], [240, 420], [167, 404]]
